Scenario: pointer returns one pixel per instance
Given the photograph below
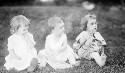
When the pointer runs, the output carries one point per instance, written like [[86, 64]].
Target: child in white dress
[[90, 43], [57, 51], [22, 53]]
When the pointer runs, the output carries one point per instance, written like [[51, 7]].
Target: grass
[[110, 25]]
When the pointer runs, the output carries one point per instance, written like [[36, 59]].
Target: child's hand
[[29, 40], [63, 47], [76, 45], [75, 50], [81, 41]]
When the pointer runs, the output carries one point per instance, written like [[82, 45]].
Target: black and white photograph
[[62, 36]]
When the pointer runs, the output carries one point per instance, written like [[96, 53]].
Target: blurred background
[[111, 25], [58, 2]]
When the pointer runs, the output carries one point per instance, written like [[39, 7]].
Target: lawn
[[111, 24]]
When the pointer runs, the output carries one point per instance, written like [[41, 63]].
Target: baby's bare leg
[[72, 59], [98, 58], [42, 59], [33, 65]]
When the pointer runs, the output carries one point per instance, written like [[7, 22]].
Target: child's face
[[92, 25], [23, 30], [60, 29]]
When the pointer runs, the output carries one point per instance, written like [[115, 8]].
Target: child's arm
[[80, 36], [30, 42], [100, 38], [32, 38], [11, 48], [29, 38], [89, 41], [80, 40], [64, 45]]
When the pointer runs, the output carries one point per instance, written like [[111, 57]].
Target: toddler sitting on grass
[[22, 54], [89, 43]]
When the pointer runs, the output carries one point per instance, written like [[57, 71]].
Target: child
[[90, 43], [57, 51], [22, 53]]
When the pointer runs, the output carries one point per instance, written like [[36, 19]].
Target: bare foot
[[103, 57]]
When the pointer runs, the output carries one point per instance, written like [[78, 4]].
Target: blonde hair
[[85, 20], [54, 21], [18, 21]]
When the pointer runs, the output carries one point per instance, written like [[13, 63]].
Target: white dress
[[57, 59], [24, 48]]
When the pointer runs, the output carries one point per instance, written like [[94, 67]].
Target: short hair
[[53, 21], [85, 20], [18, 21], [90, 16]]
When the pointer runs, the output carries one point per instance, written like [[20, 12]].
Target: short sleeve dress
[[55, 59], [24, 48], [84, 52]]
